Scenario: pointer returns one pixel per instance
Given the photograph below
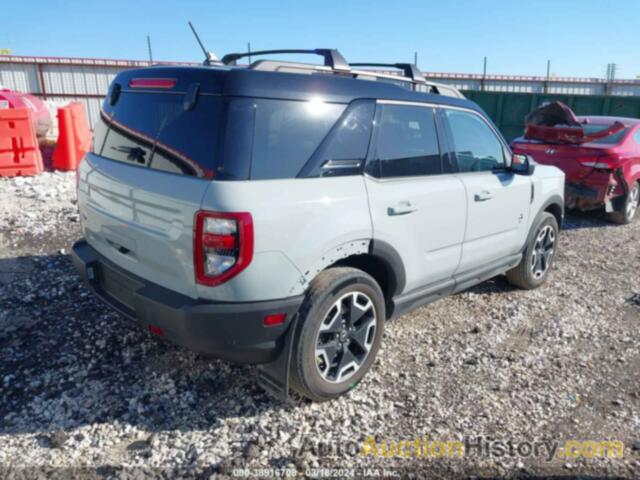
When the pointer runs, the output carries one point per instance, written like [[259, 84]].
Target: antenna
[[209, 57], [149, 47]]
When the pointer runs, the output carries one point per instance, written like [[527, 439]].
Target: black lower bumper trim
[[232, 331]]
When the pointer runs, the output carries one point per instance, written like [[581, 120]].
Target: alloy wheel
[[543, 251], [632, 202], [345, 337]]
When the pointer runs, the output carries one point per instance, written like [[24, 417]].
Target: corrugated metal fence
[[62, 80], [508, 110], [506, 98], [538, 85]]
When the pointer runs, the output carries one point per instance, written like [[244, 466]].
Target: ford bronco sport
[[280, 213]]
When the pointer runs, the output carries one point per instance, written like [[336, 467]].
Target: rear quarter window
[[348, 140], [286, 134]]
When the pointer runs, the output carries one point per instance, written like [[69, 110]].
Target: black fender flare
[[393, 263], [552, 200]]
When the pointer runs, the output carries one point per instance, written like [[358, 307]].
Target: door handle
[[483, 196], [402, 208]]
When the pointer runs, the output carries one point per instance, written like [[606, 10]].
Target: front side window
[[476, 146], [407, 142], [636, 137]]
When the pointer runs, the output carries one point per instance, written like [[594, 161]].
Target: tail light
[[223, 246], [602, 162]]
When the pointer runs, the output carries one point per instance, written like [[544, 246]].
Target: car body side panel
[[496, 227], [548, 185], [296, 223], [429, 237]]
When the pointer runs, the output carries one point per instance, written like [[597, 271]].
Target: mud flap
[[274, 376]]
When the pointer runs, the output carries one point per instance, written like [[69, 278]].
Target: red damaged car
[[600, 157]]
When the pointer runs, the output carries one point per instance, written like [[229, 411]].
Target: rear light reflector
[[156, 330], [164, 83], [221, 242], [275, 319], [223, 246]]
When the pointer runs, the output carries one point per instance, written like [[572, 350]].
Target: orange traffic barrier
[[74, 138], [19, 151]]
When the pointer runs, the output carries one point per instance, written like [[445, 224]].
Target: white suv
[[279, 214]]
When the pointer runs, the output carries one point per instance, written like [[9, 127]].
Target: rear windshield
[[155, 130], [221, 138], [590, 129]]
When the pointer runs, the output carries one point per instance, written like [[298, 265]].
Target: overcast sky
[[580, 37]]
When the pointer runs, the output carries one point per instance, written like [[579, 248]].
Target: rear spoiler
[[556, 123]]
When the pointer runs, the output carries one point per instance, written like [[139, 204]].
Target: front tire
[[538, 255], [629, 208], [339, 334]]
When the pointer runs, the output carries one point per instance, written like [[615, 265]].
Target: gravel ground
[[85, 392]]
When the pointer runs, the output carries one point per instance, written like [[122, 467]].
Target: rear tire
[[339, 333], [629, 207], [538, 255]]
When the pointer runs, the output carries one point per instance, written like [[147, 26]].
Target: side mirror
[[522, 164]]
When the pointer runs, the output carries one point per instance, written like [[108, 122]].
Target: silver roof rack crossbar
[[332, 57], [335, 63], [408, 69]]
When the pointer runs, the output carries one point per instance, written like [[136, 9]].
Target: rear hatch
[[555, 136], [154, 153]]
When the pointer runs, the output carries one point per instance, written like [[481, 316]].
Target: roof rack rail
[[410, 70], [332, 57]]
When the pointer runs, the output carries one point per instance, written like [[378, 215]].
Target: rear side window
[[287, 133], [407, 142], [476, 146], [155, 130]]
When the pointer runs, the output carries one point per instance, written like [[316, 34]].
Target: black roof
[[239, 81]]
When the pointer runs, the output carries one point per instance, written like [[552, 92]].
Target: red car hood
[[556, 123]]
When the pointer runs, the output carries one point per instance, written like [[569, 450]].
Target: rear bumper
[[232, 331], [577, 195], [598, 189]]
